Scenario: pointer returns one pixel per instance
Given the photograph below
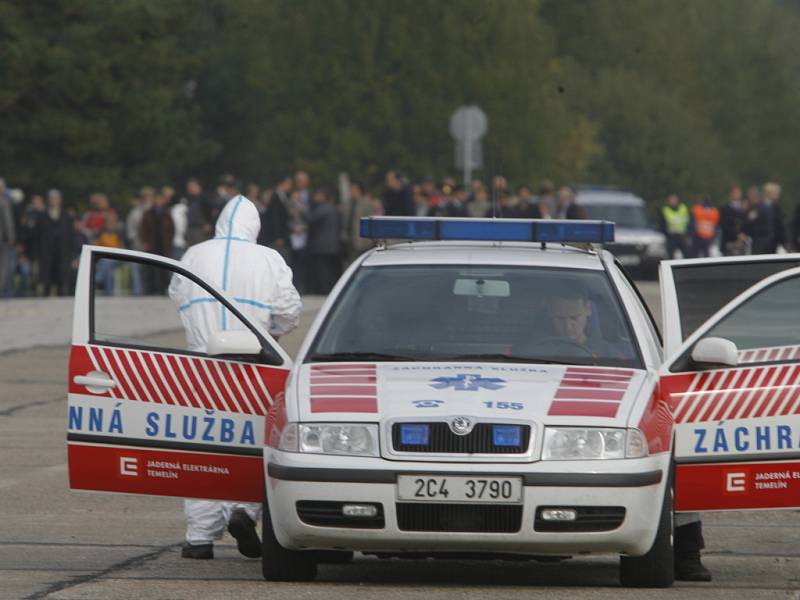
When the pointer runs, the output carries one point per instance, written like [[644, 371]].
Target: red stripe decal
[[233, 396], [115, 371], [342, 366], [180, 380], [757, 394], [235, 374], [147, 358], [605, 385], [344, 374], [138, 375], [591, 371], [583, 409], [718, 395], [194, 384], [745, 391], [317, 379], [360, 405], [205, 383], [583, 394], [343, 390], [730, 394], [701, 399], [770, 393]]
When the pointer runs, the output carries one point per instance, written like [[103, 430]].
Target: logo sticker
[[468, 383], [427, 403], [735, 482], [128, 466]]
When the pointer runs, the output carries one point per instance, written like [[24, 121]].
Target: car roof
[[606, 197], [484, 253]]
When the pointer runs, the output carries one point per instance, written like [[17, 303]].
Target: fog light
[[359, 510], [559, 514]]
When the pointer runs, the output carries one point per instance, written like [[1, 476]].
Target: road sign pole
[[467, 153], [468, 124]]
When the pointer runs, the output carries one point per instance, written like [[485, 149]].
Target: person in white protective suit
[[260, 282]]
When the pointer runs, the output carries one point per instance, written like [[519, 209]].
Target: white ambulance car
[[481, 389]]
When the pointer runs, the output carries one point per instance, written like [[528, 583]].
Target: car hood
[[548, 394]]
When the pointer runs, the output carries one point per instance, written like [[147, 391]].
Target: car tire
[[278, 563], [656, 569]]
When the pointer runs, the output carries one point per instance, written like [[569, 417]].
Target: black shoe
[[201, 551], [242, 527], [689, 568]]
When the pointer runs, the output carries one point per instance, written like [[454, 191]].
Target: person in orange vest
[[706, 219]]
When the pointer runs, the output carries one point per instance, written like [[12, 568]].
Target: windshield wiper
[[358, 356], [506, 358]]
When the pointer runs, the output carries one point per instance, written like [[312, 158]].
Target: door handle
[[95, 380]]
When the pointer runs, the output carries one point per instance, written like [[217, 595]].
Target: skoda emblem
[[461, 425]]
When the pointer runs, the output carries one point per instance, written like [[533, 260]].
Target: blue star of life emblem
[[468, 383]]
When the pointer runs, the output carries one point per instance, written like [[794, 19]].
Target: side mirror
[[716, 351], [233, 342]]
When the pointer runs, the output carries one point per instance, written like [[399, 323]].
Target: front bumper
[[637, 485]]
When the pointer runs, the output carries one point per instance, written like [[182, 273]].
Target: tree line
[[652, 95]]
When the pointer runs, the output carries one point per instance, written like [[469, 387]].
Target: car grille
[[589, 518], [329, 514], [469, 518], [443, 441]]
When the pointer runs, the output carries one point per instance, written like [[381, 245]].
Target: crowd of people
[[748, 223], [317, 232]]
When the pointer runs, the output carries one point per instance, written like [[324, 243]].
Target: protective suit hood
[[239, 219]]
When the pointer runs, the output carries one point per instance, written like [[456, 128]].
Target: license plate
[[629, 260], [449, 488]]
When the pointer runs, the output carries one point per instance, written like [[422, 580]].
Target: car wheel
[[655, 569], [278, 563]]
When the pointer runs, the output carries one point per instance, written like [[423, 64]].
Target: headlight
[[657, 248], [592, 443], [330, 438]]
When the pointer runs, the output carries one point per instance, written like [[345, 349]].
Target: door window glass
[[766, 324], [705, 288], [131, 307]]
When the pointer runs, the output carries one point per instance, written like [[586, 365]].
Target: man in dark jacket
[[759, 224], [275, 220], [54, 234], [567, 207], [398, 200], [156, 233], [772, 198], [731, 221], [323, 243], [199, 225]]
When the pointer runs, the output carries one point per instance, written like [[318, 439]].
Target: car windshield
[[486, 313], [623, 215]]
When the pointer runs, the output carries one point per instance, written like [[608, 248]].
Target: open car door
[[148, 416], [732, 379]]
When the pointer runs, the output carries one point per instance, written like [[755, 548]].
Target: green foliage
[[654, 95], [359, 85], [93, 95], [687, 95]]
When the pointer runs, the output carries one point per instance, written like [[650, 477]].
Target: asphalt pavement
[[58, 544]]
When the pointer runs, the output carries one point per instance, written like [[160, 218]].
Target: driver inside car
[[569, 311]]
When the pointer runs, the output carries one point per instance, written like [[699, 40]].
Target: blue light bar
[[507, 435], [414, 434], [499, 230]]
